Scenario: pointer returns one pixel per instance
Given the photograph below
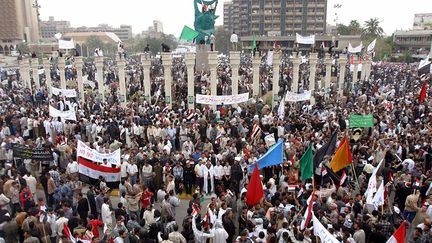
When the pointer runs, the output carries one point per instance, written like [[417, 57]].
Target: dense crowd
[[204, 156]]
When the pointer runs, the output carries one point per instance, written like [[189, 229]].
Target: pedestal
[[235, 63], [146, 72], [167, 64], [212, 61], [342, 67], [355, 72], [327, 81], [312, 74], [276, 75], [363, 70], [190, 64], [256, 62], [122, 82], [78, 67], [100, 78], [61, 66], [35, 68], [295, 75]]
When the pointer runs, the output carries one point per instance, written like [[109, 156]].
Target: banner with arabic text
[[294, 97], [222, 99]]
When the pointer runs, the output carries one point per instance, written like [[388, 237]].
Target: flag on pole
[[67, 233], [371, 46], [254, 44], [274, 156], [343, 156], [195, 210], [188, 34], [423, 93], [342, 180], [327, 149], [399, 235], [372, 185], [320, 231], [378, 199], [308, 212], [306, 164], [255, 189]]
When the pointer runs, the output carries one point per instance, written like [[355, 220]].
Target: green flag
[[306, 164], [361, 121], [188, 34], [254, 42]]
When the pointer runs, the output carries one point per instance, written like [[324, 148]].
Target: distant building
[[124, 32], [51, 27], [418, 41], [18, 22], [276, 18], [158, 26], [80, 39], [423, 21]]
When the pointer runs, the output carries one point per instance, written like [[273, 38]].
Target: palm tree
[[371, 28]]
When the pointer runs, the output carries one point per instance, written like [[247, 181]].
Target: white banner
[[320, 231], [219, 99], [41, 71], [308, 40], [67, 115], [64, 44], [90, 154], [294, 97], [356, 49], [70, 93]]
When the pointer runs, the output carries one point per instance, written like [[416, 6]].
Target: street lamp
[[37, 7]]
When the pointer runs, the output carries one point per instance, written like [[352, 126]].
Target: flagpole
[[355, 176]]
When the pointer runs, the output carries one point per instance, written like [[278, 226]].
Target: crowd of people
[[200, 159]]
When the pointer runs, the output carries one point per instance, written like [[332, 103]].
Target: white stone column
[[48, 82], [35, 68], [355, 72], [327, 80], [27, 75], [78, 67], [122, 81], [276, 76], [256, 62], [167, 64], [295, 75], [363, 70], [368, 69], [146, 72], [213, 73], [312, 73], [100, 78], [61, 66], [342, 66], [235, 63], [22, 68], [190, 64]]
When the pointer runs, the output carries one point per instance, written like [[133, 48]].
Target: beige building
[[418, 41], [18, 22], [51, 27], [276, 17]]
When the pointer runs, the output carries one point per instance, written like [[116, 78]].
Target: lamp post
[[37, 7]]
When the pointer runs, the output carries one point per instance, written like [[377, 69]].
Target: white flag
[[371, 46], [281, 109], [320, 231], [378, 199], [64, 44], [58, 36], [372, 185]]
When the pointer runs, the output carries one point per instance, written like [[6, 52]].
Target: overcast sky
[[398, 14]]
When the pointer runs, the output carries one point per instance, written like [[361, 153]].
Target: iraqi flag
[[195, 210], [308, 213], [399, 235], [67, 233], [424, 68], [90, 173]]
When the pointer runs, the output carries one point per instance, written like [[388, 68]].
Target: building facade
[[276, 17], [417, 41], [51, 27], [158, 26], [423, 21], [18, 21], [124, 32]]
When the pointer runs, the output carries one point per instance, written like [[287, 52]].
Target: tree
[[94, 42], [222, 42], [352, 29], [23, 48], [371, 28]]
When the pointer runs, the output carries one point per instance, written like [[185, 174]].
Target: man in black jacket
[[83, 207], [228, 224], [188, 177]]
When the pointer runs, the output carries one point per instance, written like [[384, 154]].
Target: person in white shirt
[[218, 172], [107, 216], [132, 170], [31, 183], [220, 234], [208, 172], [234, 41], [72, 169], [60, 222], [123, 168]]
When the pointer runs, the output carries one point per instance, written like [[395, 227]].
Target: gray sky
[[176, 13]]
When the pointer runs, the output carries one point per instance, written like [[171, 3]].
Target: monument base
[[202, 58]]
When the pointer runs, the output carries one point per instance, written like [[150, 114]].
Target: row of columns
[[190, 65]]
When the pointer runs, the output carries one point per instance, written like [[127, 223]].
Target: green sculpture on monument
[[205, 19]]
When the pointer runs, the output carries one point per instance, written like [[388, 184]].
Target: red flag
[[67, 232], [399, 235], [255, 190], [308, 213], [423, 93]]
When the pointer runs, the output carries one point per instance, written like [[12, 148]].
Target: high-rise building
[[227, 15], [423, 21], [276, 17], [124, 32], [158, 26], [18, 21], [51, 27]]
